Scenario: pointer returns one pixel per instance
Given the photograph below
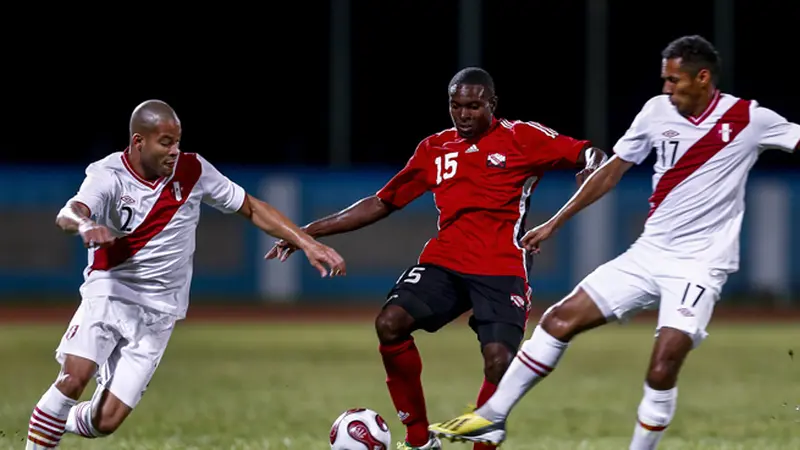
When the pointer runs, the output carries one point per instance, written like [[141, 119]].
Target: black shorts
[[435, 296]]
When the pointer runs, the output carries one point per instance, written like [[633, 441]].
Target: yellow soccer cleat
[[471, 427]]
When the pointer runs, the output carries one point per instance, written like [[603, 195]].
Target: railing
[[37, 260]]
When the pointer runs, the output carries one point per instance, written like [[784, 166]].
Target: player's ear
[[703, 77], [493, 104], [137, 140]]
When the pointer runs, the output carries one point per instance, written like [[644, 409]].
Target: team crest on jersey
[[127, 199], [496, 160], [176, 190], [670, 133], [725, 132]]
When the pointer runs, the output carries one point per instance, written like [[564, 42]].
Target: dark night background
[[251, 85]]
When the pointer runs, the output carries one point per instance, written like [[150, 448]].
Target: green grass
[[280, 386]]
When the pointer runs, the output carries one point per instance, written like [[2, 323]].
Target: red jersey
[[481, 188]]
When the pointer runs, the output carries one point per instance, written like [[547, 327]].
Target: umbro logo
[[127, 199], [473, 148], [670, 133]]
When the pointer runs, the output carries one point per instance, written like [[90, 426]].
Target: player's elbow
[[611, 173], [382, 209], [246, 210], [63, 222]]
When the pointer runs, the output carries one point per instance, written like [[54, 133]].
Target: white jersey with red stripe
[[701, 170], [150, 262]]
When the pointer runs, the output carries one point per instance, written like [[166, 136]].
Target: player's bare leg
[[49, 418], [660, 392], [537, 358], [403, 365], [98, 417]]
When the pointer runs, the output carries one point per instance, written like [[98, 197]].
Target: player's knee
[[393, 325], [71, 386], [663, 374], [671, 349], [561, 322], [572, 316], [75, 375], [496, 359]]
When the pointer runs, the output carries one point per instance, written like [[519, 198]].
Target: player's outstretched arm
[[596, 186], [274, 223], [358, 215], [74, 218]]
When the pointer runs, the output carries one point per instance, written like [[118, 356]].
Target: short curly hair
[[696, 53], [473, 75]]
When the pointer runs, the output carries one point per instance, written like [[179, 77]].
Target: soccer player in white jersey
[[137, 212], [706, 142]]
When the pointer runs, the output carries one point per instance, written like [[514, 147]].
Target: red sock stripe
[[652, 427], [83, 427], [46, 425], [45, 430], [49, 417], [40, 443], [540, 369]]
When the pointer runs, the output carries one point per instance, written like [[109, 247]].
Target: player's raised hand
[[325, 259], [95, 235], [534, 237], [282, 249]]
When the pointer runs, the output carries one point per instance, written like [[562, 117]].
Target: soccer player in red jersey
[[482, 173]]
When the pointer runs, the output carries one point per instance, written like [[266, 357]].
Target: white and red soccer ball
[[360, 429]]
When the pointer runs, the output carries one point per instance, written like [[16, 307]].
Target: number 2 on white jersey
[[446, 169], [126, 214]]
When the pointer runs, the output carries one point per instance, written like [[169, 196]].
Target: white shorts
[[126, 341], [642, 278]]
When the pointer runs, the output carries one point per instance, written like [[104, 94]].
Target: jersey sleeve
[[635, 145], [411, 182], [218, 190], [96, 190], [545, 148], [775, 132]]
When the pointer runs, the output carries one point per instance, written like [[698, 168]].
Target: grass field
[[279, 386]]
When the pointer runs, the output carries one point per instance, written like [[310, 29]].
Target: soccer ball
[[360, 429]]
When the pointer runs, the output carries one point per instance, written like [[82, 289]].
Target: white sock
[[80, 416], [80, 421], [48, 420], [535, 360], [655, 414]]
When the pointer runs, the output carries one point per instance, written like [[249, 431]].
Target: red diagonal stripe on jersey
[[187, 173], [702, 150]]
